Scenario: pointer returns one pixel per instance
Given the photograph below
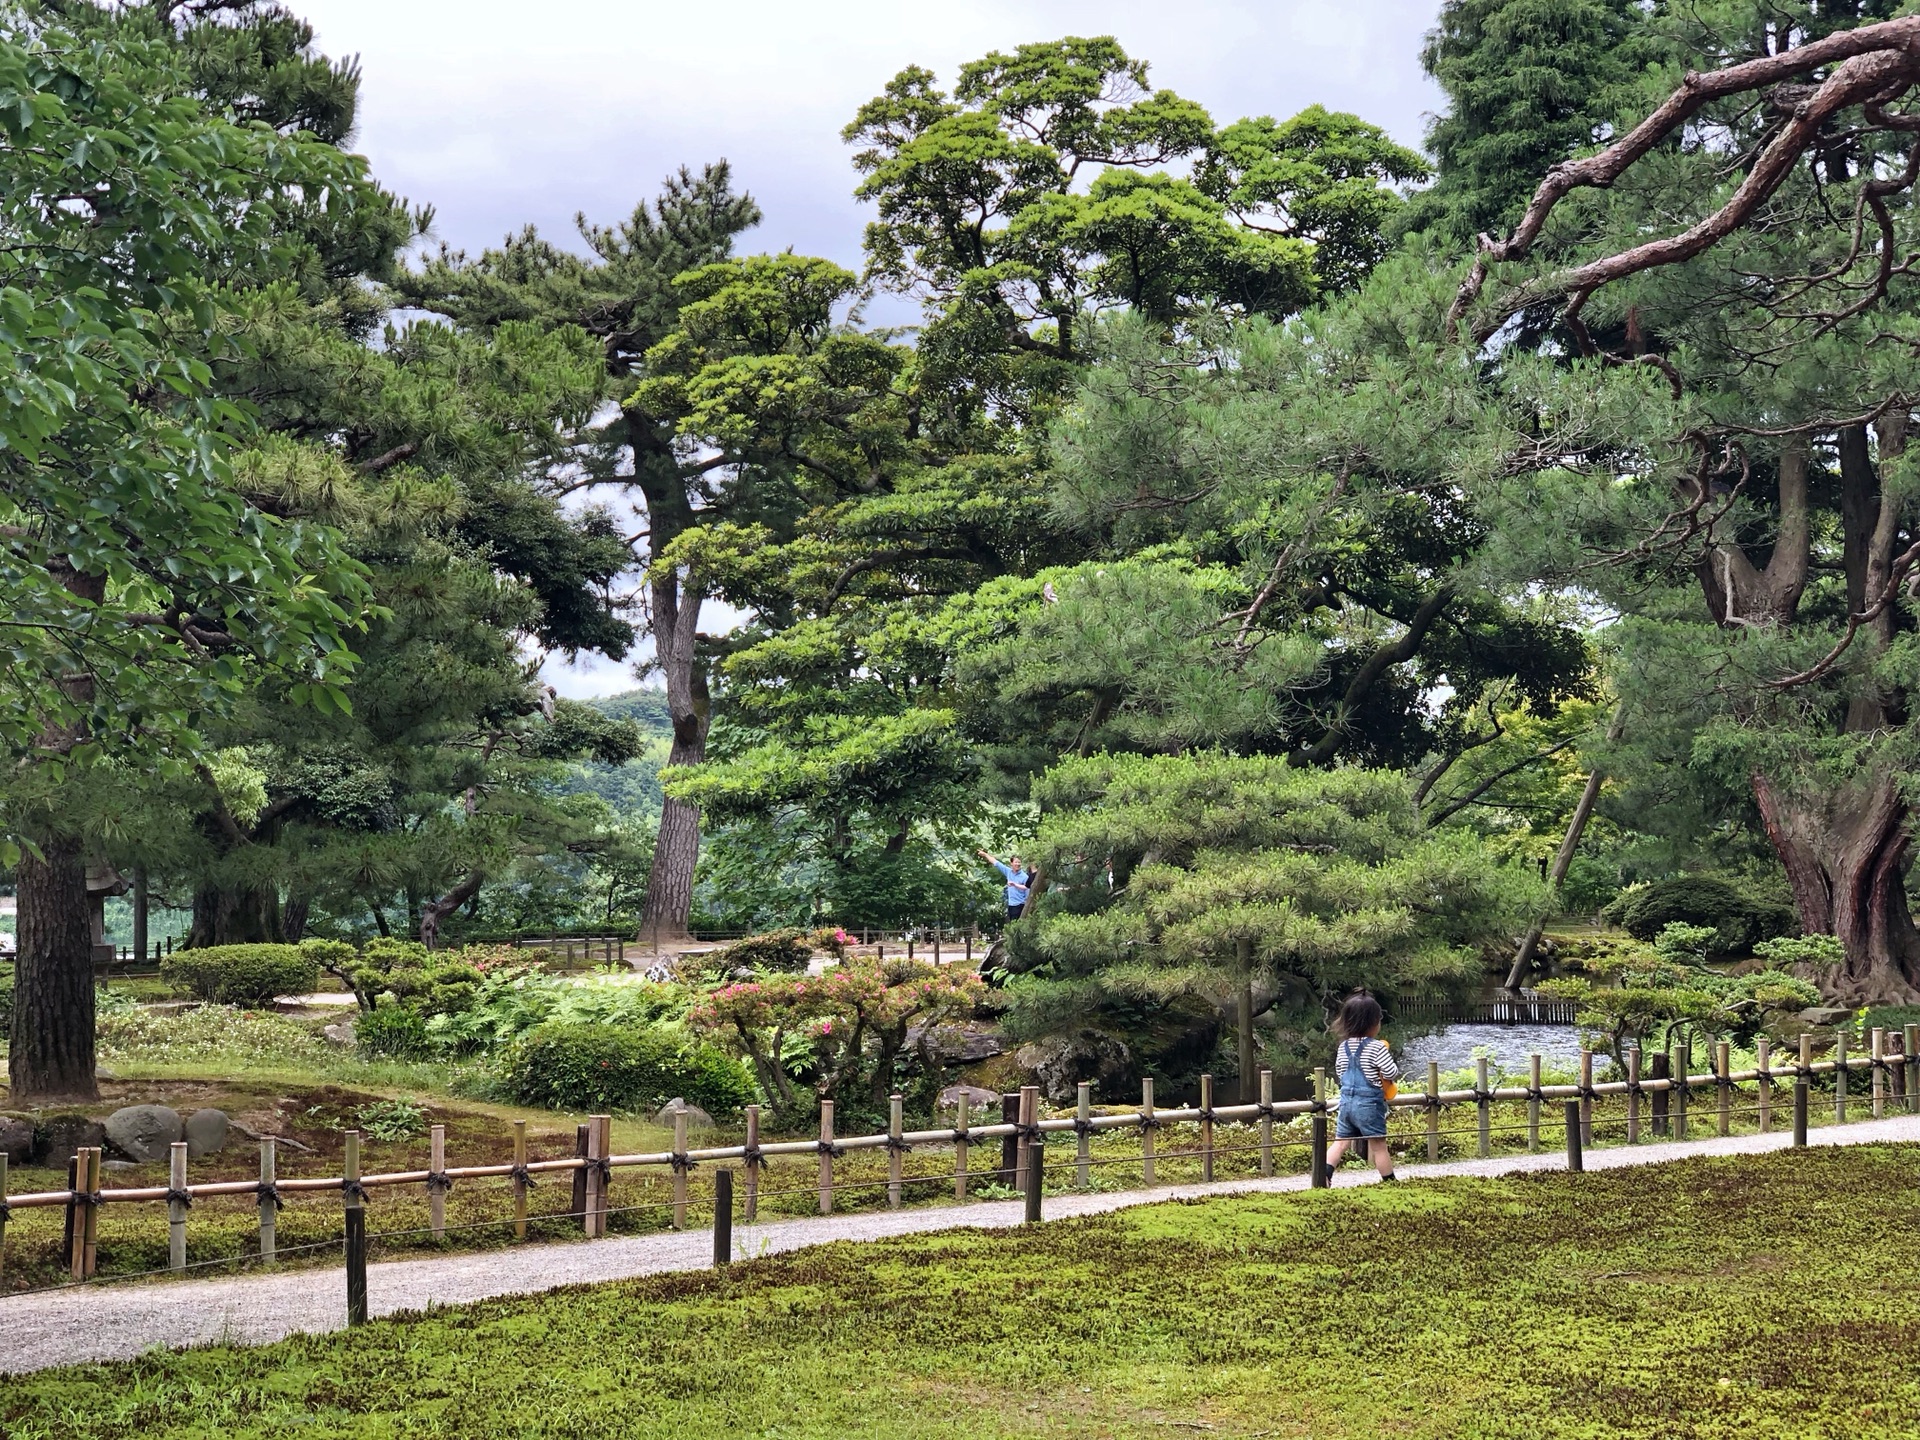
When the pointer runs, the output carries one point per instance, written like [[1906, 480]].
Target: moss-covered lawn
[[1775, 1296]]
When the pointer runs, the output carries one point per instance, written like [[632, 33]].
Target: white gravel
[[116, 1322]]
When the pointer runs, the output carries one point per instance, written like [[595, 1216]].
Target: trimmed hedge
[[241, 974], [396, 1031], [1740, 917], [577, 1067]]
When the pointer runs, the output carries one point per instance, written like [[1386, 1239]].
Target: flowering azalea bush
[[863, 1019]]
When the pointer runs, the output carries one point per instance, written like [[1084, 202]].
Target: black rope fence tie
[[602, 1167], [439, 1180], [1024, 1132], [354, 1190], [267, 1190], [899, 1145], [1149, 1122], [1266, 1108], [830, 1147], [750, 1154], [682, 1164], [5, 1210], [180, 1197], [523, 1175], [1084, 1127]]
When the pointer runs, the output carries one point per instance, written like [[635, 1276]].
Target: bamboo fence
[[1657, 1104]]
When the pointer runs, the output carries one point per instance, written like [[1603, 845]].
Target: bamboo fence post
[[1146, 1130], [723, 1216], [1321, 1177], [90, 1251], [826, 1157], [1682, 1087], [1576, 1160], [1433, 1110], [960, 1153], [70, 1241], [356, 1218], [1840, 1077], [3, 1212], [269, 1198], [1877, 1040], [578, 1212], [1663, 1094], [1633, 1095], [1800, 1110], [1586, 1096], [1033, 1167], [1806, 1064], [437, 1182], [1083, 1137], [1266, 1120], [1009, 1175], [177, 1206], [1483, 1106], [1912, 1052], [752, 1208], [1763, 1062], [520, 1179], [1206, 1128], [599, 1129], [1533, 1102], [895, 1159], [1723, 1070], [680, 1169]]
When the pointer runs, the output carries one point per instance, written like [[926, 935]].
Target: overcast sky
[[501, 115]]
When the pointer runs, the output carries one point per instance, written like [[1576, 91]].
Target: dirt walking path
[[116, 1322]]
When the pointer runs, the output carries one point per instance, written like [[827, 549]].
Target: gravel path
[[109, 1322]]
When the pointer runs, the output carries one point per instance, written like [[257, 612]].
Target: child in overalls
[[1367, 1072]]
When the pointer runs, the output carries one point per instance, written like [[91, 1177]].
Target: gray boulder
[[978, 1099], [340, 1032], [56, 1137], [697, 1119], [205, 1132], [16, 1139], [144, 1132]]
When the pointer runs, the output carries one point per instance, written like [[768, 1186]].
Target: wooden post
[[1321, 1177], [1533, 1102], [722, 1217], [1266, 1120], [579, 1210], [680, 1169], [1683, 1087], [1586, 1096], [936, 944], [826, 1157], [70, 1240], [1206, 1128], [1576, 1159], [269, 1201], [599, 1133], [1800, 1111], [909, 944], [1840, 1077], [1033, 1167], [436, 1189], [1083, 1139], [3, 1212], [1633, 1095], [1433, 1111], [1146, 1130], [90, 1227], [960, 1153], [1763, 1062], [1483, 1105], [753, 1164], [1662, 1098], [969, 947], [520, 1180], [1723, 1068], [1877, 1039], [1009, 1175], [1912, 1053], [356, 1232], [895, 1159], [177, 1206]]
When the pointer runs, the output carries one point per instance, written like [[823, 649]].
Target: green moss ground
[[1775, 1295]]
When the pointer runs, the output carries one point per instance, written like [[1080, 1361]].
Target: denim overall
[[1363, 1104]]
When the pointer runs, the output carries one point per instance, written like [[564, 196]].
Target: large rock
[[205, 1132], [697, 1119], [56, 1137], [144, 1132], [978, 1099], [16, 1139], [340, 1032]]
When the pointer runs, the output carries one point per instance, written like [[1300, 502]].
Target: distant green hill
[[633, 789]]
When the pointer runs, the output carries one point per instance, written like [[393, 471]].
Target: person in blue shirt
[[1019, 882]]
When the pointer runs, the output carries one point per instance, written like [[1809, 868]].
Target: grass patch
[[1714, 1297]]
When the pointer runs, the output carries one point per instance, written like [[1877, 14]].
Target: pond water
[[1453, 1047]]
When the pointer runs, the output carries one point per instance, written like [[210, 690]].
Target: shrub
[[780, 951], [610, 1067], [391, 1120], [241, 974], [393, 1031], [213, 1035], [1739, 915]]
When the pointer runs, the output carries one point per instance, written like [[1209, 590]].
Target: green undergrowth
[[1715, 1297]]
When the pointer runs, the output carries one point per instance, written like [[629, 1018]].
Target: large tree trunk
[[676, 850], [1846, 855], [50, 1055], [247, 916]]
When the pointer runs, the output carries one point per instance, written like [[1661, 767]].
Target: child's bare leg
[[1337, 1152], [1382, 1156]]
